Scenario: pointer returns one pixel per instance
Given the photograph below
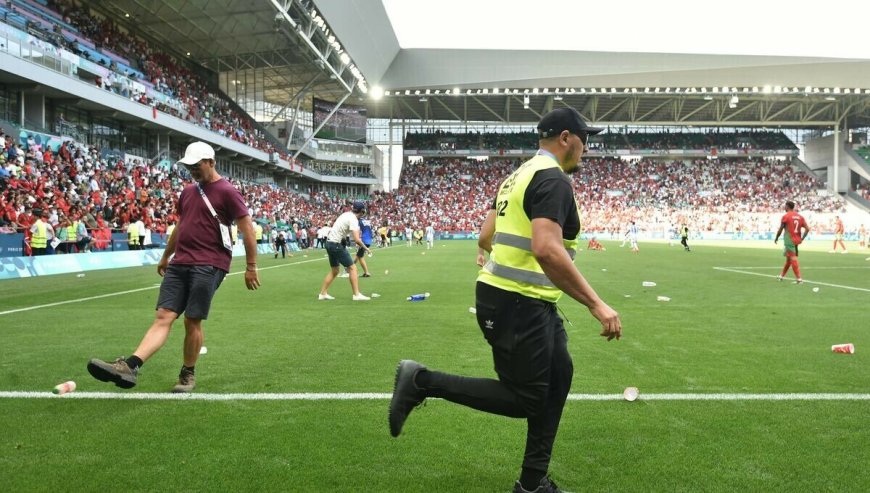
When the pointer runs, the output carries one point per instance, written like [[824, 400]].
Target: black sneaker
[[545, 486], [366, 275], [406, 395], [118, 372]]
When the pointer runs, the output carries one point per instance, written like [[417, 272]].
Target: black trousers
[[685, 242], [534, 368]]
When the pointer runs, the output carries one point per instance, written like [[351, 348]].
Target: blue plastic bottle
[[418, 297]]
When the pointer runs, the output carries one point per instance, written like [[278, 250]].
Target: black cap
[[359, 206], [558, 120]]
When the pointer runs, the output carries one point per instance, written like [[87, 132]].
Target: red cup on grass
[[843, 348]]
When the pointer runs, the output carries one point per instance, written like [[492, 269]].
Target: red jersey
[[793, 223]]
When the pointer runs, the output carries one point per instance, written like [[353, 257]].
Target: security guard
[[531, 234], [41, 231], [133, 236]]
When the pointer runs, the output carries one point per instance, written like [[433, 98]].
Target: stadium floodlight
[[437, 91], [767, 89], [836, 90], [667, 89], [535, 90], [485, 90], [657, 90], [468, 92], [495, 90], [830, 98], [826, 90], [345, 58], [407, 92], [634, 90], [557, 98], [455, 91], [428, 92], [417, 92], [777, 89], [646, 90], [582, 90], [188, 53], [592, 90], [546, 90], [377, 92], [708, 98], [808, 89]]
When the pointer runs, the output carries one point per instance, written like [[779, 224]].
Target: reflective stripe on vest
[[71, 232], [523, 243]]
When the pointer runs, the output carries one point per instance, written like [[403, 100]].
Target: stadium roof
[[619, 49]]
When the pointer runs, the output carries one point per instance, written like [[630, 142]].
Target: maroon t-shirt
[[199, 237]]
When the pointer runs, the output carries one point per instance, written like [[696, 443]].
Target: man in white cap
[[346, 224], [202, 248]]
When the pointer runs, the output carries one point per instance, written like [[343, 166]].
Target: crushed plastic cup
[[630, 394], [64, 388], [843, 348], [815, 290], [472, 309], [203, 350], [649, 284], [375, 295], [662, 298], [80, 275], [628, 296]]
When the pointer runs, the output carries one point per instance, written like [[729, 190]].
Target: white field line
[[741, 271], [370, 396], [119, 293]]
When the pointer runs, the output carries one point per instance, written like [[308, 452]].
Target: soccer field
[[739, 389]]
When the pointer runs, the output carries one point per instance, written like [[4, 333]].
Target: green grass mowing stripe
[[367, 396], [120, 293], [738, 271]]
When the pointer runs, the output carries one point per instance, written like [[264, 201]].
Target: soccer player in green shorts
[[798, 230]]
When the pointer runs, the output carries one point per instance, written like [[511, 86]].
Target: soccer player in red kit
[[798, 230], [839, 230]]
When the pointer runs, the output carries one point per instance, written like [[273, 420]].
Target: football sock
[[796, 268], [530, 479], [134, 362], [188, 369], [785, 269]]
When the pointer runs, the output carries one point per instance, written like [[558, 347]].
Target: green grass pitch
[[736, 331]]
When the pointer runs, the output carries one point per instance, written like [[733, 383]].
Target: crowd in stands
[[608, 140], [188, 96], [453, 195]]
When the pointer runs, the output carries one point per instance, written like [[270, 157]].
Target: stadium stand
[[742, 140], [737, 195], [135, 70]]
